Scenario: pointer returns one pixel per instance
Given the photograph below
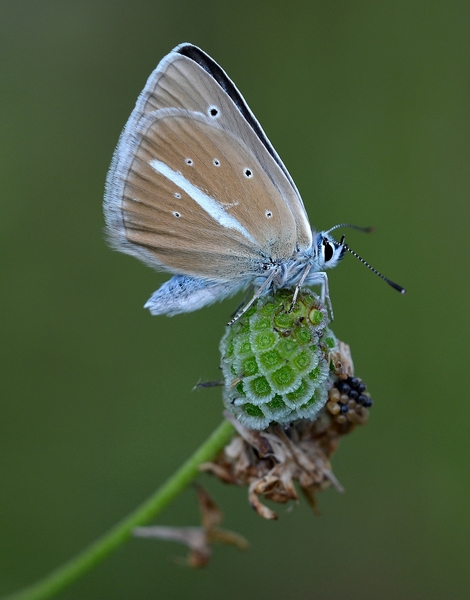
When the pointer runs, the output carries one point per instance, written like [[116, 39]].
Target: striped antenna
[[363, 229], [389, 281]]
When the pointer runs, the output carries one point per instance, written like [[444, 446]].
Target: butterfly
[[196, 189]]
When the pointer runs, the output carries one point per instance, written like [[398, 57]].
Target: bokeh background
[[368, 104]]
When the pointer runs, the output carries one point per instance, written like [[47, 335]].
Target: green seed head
[[276, 361]]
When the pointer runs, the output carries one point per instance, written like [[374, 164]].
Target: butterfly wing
[[195, 187]]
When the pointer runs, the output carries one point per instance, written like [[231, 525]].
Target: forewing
[[193, 188]]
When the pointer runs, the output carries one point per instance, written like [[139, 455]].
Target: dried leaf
[[197, 539]]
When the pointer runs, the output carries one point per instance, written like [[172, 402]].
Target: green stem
[[122, 531]]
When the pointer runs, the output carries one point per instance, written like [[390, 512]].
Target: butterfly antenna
[[363, 229], [389, 281]]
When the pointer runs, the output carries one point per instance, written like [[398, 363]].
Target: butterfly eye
[[328, 251]]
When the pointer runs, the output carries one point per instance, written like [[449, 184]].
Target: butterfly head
[[329, 250]]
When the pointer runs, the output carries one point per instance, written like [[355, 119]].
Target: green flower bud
[[276, 361]]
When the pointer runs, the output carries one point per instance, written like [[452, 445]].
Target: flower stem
[[62, 577]]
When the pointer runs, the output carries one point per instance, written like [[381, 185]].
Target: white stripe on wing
[[210, 205]]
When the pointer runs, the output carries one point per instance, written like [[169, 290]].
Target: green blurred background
[[368, 105]]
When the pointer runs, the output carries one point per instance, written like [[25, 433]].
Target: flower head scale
[[276, 360]]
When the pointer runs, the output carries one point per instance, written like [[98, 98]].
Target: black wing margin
[[218, 74]]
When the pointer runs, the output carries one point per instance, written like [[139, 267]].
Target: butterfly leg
[[242, 303], [267, 282], [321, 279], [299, 285], [325, 294]]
